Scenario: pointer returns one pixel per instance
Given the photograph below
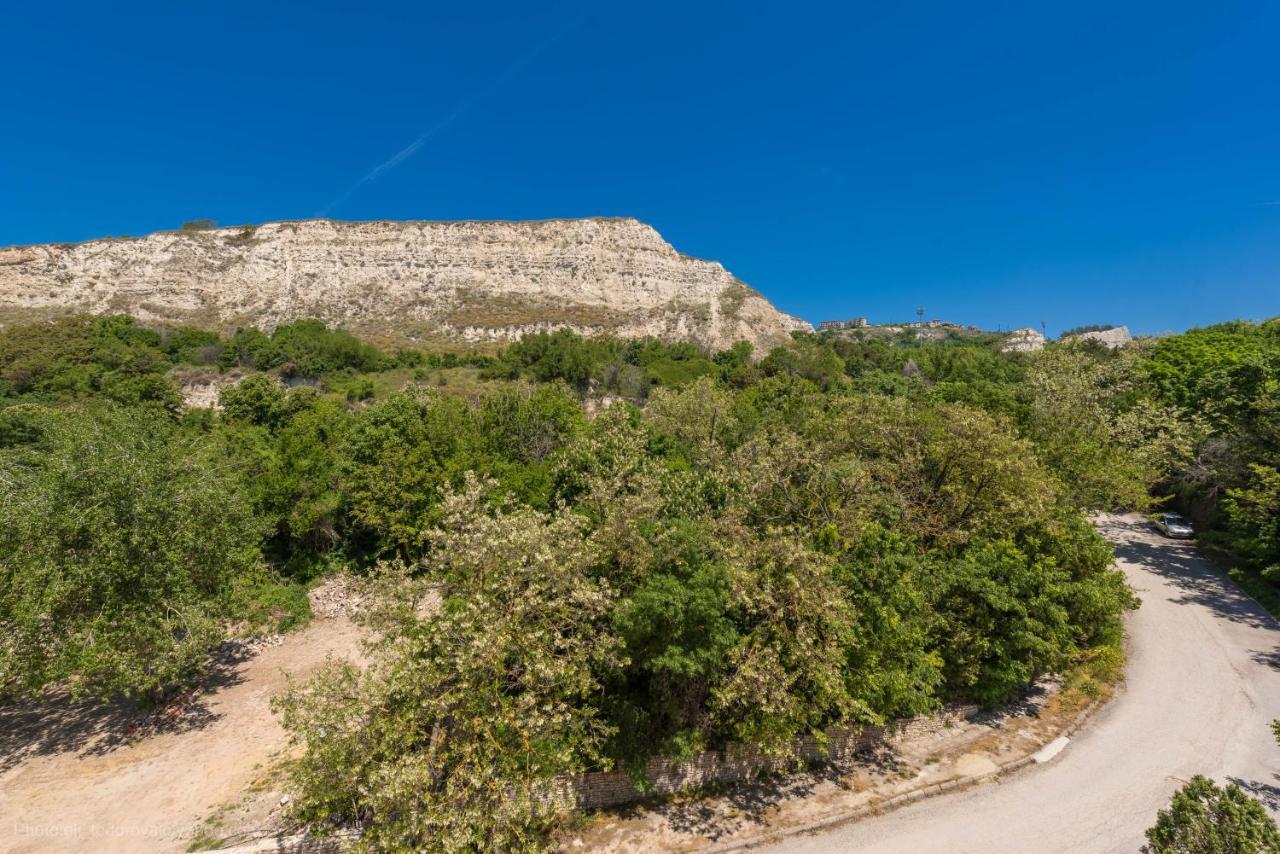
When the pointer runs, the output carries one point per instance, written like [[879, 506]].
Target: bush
[[120, 541], [474, 707], [257, 400], [306, 348], [1206, 819]]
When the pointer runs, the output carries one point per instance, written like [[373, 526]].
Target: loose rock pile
[[337, 597], [238, 649]]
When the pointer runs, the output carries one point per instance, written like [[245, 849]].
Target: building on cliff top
[[855, 323]]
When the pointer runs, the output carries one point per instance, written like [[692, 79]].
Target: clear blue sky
[[997, 163]]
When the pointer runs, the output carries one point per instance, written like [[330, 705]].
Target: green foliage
[[841, 533], [807, 357], [1095, 428], [120, 541], [786, 674], [629, 368], [296, 479], [1194, 369], [265, 605], [1002, 620], [677, 629], [562, 355], [482, 693], [894, 667], [306, 348], [1204, 818], [76, 357], [1226, 379], [155, 389], [397, 460], [1253, 515], [1088, 327], [258, 400], [189, 345]]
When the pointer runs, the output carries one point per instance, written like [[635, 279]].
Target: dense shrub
[[306, 348], [483, 692], [120, 543], [1205, 819]]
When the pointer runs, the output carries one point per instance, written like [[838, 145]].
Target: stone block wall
[[599, 789]]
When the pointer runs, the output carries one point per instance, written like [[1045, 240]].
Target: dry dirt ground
[[82, 778]]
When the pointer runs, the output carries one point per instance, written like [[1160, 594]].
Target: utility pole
[[920, 316]]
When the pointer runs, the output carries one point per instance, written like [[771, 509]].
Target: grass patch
[[204, 841], [208, 836], [267, 606], [1095, 675], [732, 298]]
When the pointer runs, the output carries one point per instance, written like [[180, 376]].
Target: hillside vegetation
[[733, 551]]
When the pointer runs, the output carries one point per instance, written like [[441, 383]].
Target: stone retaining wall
[[599, 789]]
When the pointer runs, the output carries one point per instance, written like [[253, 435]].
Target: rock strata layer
[[423, 282]]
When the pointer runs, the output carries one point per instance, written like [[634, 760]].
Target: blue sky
[[997, 163]]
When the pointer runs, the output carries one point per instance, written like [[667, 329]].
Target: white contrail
[[459, 111]]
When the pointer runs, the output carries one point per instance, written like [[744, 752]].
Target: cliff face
[[1115, 337], [1026, 340], [424, 282]]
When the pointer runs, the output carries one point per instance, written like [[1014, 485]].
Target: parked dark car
[[1173, 525]]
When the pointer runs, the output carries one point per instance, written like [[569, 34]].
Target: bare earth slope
[[1202, 685], [429, 282], [71, 780]]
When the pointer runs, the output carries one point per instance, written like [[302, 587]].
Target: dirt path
[[75, 779], [1203, 684]]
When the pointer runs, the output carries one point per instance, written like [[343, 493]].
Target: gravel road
[[1203, 684]]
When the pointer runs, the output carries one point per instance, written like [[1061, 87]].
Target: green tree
[[785, 676], [1253, 516], [809, 357], [1092, 425], [121, 543], [398, 458], [148, 389], [481, 694], [1204, 818], [257, 400]]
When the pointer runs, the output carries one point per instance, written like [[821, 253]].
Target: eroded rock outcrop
[[1025, 340], [424, 282], [1117, 336]]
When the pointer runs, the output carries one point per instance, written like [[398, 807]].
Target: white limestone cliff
[[1117, 336], [1026, 340], [424, 282]]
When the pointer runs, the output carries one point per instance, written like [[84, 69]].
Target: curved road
[[1202, 686]]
